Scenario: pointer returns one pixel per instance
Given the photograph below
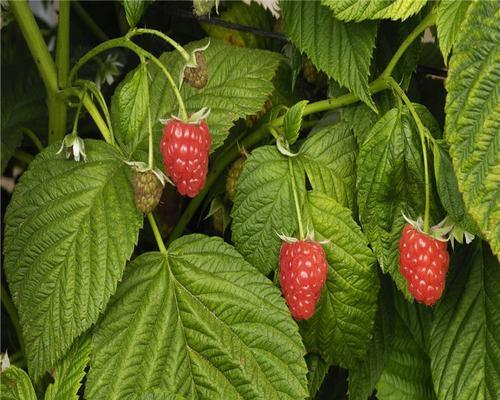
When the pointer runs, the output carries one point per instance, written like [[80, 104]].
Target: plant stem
[[296, 200], [62, 65], [89, 105], [12, 312], [62, 46], [34, 138], [45, 65], [87, 19], [92, 88], [78, 110], [423, 134], [157, 234], [128, 44], [150, 128], [36, 43], [428, 21], [218, 167], [168, 39], [100, 123]]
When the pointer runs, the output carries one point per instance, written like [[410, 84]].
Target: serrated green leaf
[[390, 180], [264, 206], [465, 339], [360, 118], [447, 188], [69, 230], [69, 372], [239, 82], [15, 384], [317, 370], [450, 17], [329, 160], [341, 328], [366, 373], [130, 102], [293, 121], [473, 116], [356, 10], [133, 11], [23, 106], [343, 50], [407, 373], [199, 322]]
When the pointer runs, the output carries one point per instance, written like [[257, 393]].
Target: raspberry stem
[[150, 129], [157, 234], [424, 134], [128, 44], [168, 39], [296, 200]]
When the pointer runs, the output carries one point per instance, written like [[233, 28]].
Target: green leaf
[[69, 372], [343, 50], [317, 370], [329, 158], [360, 118], [130, 102], [465, 339], [252, 15], [239, 82], [264, 206], [449, 22], [473, 116], [417, 318], [355, 10], [199, 322], [447, 187], [69, 230], [293, 120], [133, 11], [23, 106], [407, 373], [341, 328], [366, 373], [390, 180], [15, 384]]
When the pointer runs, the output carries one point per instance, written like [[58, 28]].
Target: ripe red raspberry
[[303, 272], [185, 148], [423, 261]]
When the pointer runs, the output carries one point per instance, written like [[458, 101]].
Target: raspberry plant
[[364, 133]]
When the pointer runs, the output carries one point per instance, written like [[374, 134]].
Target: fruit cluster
[[303, 272]]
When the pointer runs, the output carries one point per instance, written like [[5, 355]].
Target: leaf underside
[[473, 116]]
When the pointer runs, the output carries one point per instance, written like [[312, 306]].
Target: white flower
[[73, 145], [4, 361], [271, 5], [108, 69]]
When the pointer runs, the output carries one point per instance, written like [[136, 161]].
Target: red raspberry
[[303, 272], [423, 261], [185, 148]]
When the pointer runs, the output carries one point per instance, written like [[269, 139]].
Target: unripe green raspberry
[[197, 77], [147, 189], [232, 177]]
